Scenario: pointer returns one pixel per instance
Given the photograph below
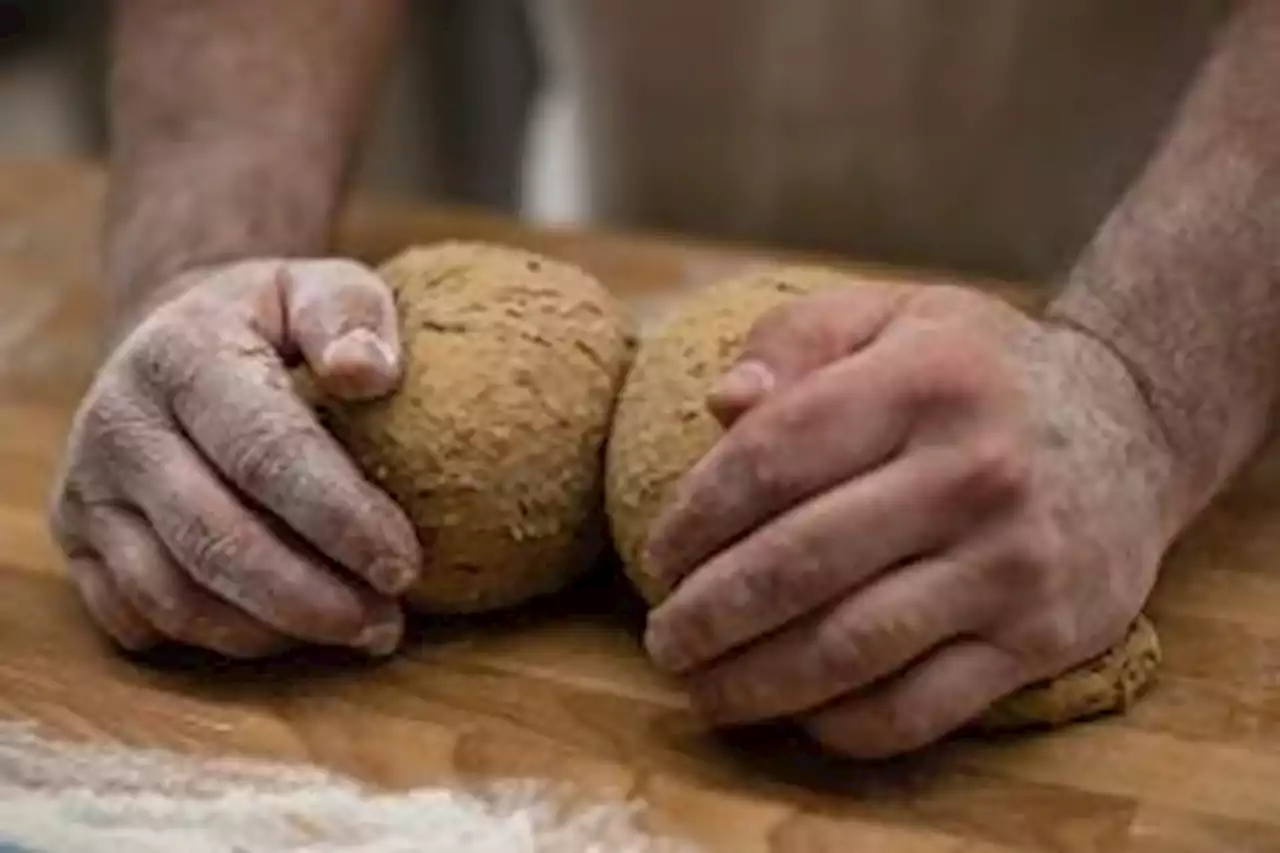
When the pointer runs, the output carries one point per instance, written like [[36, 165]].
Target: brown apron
[[989, 135]]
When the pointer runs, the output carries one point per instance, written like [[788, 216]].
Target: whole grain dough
[[1110, 683], [493, 442], [662, 427]]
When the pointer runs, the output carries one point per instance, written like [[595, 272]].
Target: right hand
[[200, 501]]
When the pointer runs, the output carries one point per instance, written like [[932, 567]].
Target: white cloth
[[991, 134]]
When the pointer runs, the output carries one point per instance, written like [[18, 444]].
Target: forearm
[[234, 125], [1182, 279]]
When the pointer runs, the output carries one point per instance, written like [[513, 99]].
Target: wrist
[[160, 245], [127, 310], [1119, 399], [184, 206]]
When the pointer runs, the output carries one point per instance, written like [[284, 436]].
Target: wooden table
[[564, 692]]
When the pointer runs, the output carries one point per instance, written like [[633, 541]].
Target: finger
[[342, 318], [743, 387], [934, 698], [868, 637], [109, 609], [174, 604], [233, 397], [235, 554], [838, 423], [792, 341], [811, 556]]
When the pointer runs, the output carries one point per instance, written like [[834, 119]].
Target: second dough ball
[[662, 427], [493, 443]]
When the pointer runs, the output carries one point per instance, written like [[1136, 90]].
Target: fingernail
[[379, 640], [745, 381], [360, 348], [392, 577]]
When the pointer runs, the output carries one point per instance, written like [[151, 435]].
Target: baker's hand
[[923, 501], [200, 500]]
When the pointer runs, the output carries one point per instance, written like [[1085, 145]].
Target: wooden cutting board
[[564, 692]]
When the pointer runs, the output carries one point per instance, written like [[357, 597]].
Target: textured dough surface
[[661, 428], [1108, 684], [494, 442]]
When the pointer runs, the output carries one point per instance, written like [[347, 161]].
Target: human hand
[[923, 501], [200, 501]]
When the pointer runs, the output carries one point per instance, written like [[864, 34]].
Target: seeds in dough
[[493, 443]]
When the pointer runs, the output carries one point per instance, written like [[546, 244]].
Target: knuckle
[[323, 286], [113, 438], [257, 458], [949, 369], [1052, 637], [110, 414], [765, 584], [159, 347], [763, 465], [853, 645], [843, 646], [996, 469], [210, 556], [785, 574], [1033, 559], [811, 323], [792, 418], [780, 321], [1029, 564]]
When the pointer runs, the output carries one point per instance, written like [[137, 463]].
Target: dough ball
[[494, 442], [662, 427]]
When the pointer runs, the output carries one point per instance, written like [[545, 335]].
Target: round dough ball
[[662, 427], [493, 444]]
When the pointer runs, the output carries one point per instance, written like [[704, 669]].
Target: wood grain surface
[[562, 691]]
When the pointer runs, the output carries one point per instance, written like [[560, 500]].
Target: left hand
[[924, 500]]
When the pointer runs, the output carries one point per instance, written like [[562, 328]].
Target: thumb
[[342, 318], [793, 340]]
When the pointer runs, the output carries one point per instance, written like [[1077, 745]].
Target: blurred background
[[989, 137], [476, 85]]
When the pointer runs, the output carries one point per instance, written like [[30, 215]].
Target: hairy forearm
[[1183, 279], [234, 124]]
